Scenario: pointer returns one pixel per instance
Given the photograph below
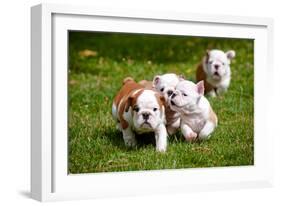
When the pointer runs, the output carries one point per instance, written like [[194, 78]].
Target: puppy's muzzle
[[145, 115], [169, 92], [217, 66], [173, 95]]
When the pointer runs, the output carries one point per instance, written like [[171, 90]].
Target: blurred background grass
[[98, 62]]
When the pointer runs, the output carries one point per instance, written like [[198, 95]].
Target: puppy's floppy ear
[[156, 80], [230, 54], [162, 103], [128, 103], [200, 88], [132, 99]]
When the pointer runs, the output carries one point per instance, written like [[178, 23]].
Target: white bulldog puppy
[[198, 119], [215, 71], [140, 110], [165, 84]]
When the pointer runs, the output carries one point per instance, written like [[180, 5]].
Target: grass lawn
[[96, 75]]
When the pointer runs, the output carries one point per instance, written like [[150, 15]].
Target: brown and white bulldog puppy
[[215, 71], [198, 120], [140, 110], [165, 85]]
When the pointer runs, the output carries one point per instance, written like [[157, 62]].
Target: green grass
[[94, 143]]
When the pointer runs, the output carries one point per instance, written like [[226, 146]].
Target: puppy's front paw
[[130, 142], [161, 149], [191, 136], [212, 94]]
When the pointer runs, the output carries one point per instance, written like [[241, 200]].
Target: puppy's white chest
[[195, 121]]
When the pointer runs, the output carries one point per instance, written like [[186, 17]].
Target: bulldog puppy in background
[[198, 119], [215, 71], [139, 110], [165, 84]]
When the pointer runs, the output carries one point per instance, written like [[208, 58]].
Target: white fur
[[163, 84], [115, 116], [194, 111], [207, 130], [114, 111], [222, 60], [129, 137], [146, 103], [161, 138]]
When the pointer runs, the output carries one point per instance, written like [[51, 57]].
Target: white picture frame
[[49, 178]]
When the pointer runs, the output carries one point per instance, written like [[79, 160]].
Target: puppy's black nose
[[145, 116], [170, 92], [173, 95], [216, 66]]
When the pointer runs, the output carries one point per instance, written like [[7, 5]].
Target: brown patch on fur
[[212, 116], [124, 99], [161, 100], [170, 115], [146, 84], [132, 100], [201, 75]]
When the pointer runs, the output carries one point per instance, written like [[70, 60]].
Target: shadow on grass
[[143, 140]]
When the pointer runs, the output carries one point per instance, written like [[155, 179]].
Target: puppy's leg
[[161, 138], [129, 137], [114, 115], [212, 93], [187, 132], [173, 127], [221, 90], [207, 130]]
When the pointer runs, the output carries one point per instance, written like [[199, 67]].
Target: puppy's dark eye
[[162, 89], [184, 94], [136, 109], [223, 63], [210, 62], [155, 109]]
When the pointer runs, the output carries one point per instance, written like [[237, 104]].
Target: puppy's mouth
[[146, 124], [173, 103], [216, 74]]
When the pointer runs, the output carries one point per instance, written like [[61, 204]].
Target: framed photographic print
[[137, 102]]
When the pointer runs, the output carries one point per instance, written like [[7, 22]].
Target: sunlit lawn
[[96, 75]]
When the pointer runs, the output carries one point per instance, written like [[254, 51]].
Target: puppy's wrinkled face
[[148, 111], [217, 63], [165, 84], [186, 95]]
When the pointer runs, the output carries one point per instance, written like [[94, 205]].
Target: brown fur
[[132, 100], [161, 100], [125, 93], [146, 84], [201, 75], [170, 116]]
